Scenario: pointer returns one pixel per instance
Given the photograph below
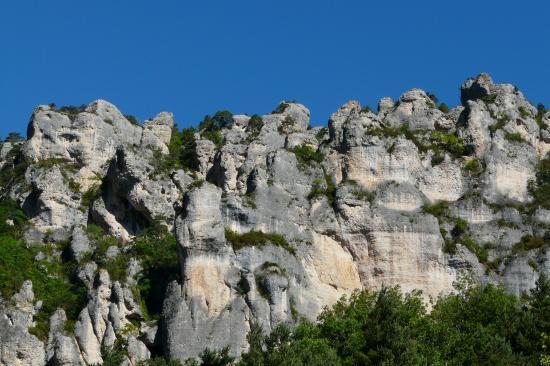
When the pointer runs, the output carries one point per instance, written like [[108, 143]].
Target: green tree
[[14, 137]]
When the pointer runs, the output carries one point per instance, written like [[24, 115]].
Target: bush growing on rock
[[258, 239], [514, 137], [540, 186], [541, 111], [14, 137], [255, 124], [222, 119], [181, 153], [307, 156], [132, 119]]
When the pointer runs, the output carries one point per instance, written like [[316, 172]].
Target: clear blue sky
[[196, 57]]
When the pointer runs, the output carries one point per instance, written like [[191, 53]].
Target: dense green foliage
[[307, 156], [181, 153], [257, 239], [115, 355], [321, 134], [210, 127], [514, 137], [13, 170], [443, 108], [529, 242], [439, 209], [541, 111], [474, 166], [540, 187], [70, 111], [255, 124], [326, 188], [54, 279], [281, 108], [478, 326], [132, 119], [157, 250], [14, 137]]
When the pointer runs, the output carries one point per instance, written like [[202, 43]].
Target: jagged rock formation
[[280, 220]]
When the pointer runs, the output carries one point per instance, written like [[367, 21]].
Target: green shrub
[[366, 109], [287, 125], [281, 108], [461, 226], [363, 195], [540, 186], [156, 249], [70, 111], [320, 188], [216, 358], [321, 134], [500, 123], [439, 209], [489, 98], [14, 137], [443, 108], [256, 239], [13, 171], [181, 153], [249, 200], [449, 246], [188, 153], [132, 119], [160, 361], [524, 113], [210, 127], [403, 130], [74, 186], [474, 166], [317, 189], [197, 183], [88, 197], [307, 156], [101, 242], [115, 355], [505, 223], [473, 246], [255, 124], [541, 111], [529, 242], [54, 282], [447, 142], [215, 136], [514, 137], [437, 159], [222, 119]]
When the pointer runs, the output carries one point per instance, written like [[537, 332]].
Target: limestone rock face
[[17, 346], [278, 221]]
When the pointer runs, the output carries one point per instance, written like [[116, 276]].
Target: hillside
[[170, 241]]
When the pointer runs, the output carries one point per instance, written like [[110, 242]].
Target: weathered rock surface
[[351, 204]]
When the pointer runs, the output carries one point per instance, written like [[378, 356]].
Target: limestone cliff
[[277, 220]]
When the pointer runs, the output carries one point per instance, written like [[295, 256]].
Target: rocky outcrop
[[279, 220]]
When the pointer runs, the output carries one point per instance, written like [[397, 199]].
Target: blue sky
[[194, 58]]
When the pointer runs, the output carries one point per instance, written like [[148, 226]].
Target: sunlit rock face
[[279, 220]]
